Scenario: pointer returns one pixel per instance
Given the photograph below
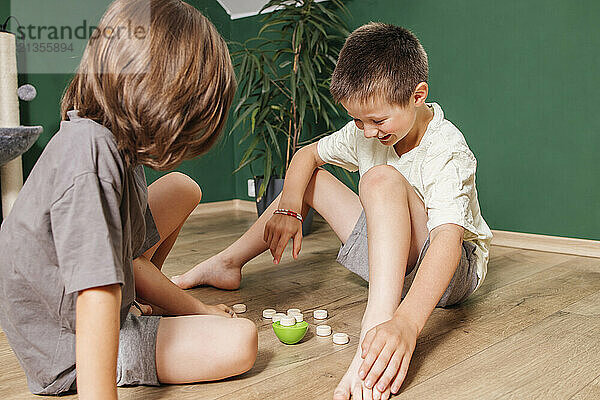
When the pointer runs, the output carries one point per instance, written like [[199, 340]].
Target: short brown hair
[[165, 97], [379, 60]]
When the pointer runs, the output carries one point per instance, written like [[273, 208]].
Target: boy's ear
[[420, 94]]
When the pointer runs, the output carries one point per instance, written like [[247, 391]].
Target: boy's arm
[[301, 169], [388, 347], [281, 228], [154, 287], [97, 341], [434, 274]]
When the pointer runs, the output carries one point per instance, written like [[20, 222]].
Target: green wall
[[520, 81], [518, 78]]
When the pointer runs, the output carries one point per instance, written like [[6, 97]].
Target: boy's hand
[[278, 232], [386, 352]]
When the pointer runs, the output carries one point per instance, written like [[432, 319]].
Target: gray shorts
[[354, 255], [136, 363]]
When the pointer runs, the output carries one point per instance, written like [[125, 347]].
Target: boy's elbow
[[450, 232]]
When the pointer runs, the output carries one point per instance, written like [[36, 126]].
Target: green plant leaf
[[273, 139], [331, 15], [311, 73], [239, 105], [267, 172], [299, 32], [271, 93], [330, 104], [243, 116], [245, 163], [249, 152], [253, 118], [301, 110], [313, 38], [268, 25], [342, 7], [256, 63], [318, 26], [318, 61]]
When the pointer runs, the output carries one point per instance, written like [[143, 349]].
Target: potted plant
[[284, 77]]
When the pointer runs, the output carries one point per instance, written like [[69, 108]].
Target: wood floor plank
[[316, 382], [453, 335], [551, 359], [589, 305], [508, 265], [13, 383], [591, 391]]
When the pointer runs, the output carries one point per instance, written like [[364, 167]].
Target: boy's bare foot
[[216, 271], [351, 382], [351, 386]]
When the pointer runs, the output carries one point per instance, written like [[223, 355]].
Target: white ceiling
[[244, 8]]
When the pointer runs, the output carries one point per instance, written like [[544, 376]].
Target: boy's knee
[[248, 336], [186, 187], [379, 177]]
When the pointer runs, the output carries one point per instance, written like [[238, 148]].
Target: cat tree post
[[11, 173]]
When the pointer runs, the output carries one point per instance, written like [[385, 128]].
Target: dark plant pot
[[275, 187]]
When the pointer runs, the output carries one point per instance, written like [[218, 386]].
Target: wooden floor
[[532, 331]]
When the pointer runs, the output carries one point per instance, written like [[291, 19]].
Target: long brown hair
[[159, 76]]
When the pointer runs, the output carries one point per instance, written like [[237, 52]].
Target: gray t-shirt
[[79, 221]]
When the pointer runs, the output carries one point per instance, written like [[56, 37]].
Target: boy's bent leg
[[327, 195], [204, 348], [397, 230], [171, 198], [335, 202], [386, 196]]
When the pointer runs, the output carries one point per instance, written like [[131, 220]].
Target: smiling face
[[388, 123], [392, 123]]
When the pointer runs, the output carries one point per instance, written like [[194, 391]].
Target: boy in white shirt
[[427, 243]]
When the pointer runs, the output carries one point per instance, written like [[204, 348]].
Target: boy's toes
[[178, 280], [342, 391]]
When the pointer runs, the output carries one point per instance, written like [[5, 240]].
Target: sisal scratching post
[[11, 174]]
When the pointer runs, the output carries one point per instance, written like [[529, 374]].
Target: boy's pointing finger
[[283, 240], [297, 244]]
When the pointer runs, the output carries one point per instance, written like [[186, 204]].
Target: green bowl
[[290, 334]]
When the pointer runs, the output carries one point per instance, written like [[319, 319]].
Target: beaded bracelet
[[291, 213]]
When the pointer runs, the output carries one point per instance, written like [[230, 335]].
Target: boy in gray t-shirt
[[86, 236], [81, 219]]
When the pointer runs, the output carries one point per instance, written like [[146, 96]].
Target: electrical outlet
[[251, 188]]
